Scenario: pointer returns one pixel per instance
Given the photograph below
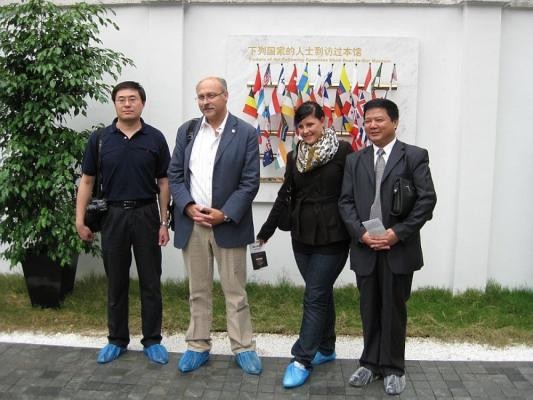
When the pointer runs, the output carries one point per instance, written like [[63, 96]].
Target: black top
[[316, 223], [130, 167]]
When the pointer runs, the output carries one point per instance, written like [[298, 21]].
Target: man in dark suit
[[384, 262], [214, 177]]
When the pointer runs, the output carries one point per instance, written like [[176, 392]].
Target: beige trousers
[[198, 255]]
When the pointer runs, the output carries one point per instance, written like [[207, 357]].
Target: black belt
[[128, 204]]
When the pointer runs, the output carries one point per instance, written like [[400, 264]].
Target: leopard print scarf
[[317, 154]]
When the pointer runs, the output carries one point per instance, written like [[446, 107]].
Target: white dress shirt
[[387, 150], [202, 161]]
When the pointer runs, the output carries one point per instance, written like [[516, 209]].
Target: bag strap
[[98, 184], [191, 128], [292, 166]]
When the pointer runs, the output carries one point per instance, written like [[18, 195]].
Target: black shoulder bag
[[97, 208], [284, 218], [403, 195], [188, 137]]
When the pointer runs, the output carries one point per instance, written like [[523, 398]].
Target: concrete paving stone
[[265, 396], [454, 384], [247, 395], [523, 385], [438, 384], [318, 389], [42, 372], [420, 377], [136, 396], [422, 385], [424, 393], [211, 395], [227, 395], [442, 392], [249, 388]]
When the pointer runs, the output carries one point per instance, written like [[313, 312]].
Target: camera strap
[[99, 181]]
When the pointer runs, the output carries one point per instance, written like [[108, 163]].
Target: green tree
[[51, 64]]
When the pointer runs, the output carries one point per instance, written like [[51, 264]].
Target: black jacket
[[315, 217]]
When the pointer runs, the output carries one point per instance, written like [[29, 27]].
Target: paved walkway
[[51, 372]]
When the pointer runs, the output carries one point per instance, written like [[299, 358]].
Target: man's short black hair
[[388, 105], [129, 85]]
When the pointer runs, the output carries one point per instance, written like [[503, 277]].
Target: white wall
[[474, 99]]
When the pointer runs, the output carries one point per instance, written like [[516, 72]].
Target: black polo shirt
[[130, 167]]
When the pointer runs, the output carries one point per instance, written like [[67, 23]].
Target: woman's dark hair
[[306, 109]]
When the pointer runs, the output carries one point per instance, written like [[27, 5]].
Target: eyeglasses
[[131, 100], [208, 96]]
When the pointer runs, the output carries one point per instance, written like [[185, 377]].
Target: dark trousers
[[124, 229], [317, 332], [383, 297]]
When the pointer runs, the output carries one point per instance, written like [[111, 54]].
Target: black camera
[[97, 205], [94, 214]]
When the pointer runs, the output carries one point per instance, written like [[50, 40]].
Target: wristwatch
[[226, 218], [165, 224]]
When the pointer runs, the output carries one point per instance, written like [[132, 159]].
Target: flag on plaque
[[319, 87], [303, 84], [261, 105], [393, 80], [326, 105], [359, 106], [326, 108], [299, 100], [283, 128], [274, 104], [281, 82], [267, 78], [368, 79], [355, 86], [292, 87], [346, 124], [376, 82], [257, 84], [268, 154], [281, 158], [287, 106], [338, 103], [250, 107], [344, 91]]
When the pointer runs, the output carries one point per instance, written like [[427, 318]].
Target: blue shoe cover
[[156, 353], [249, 362], [192, 360], [295, 375], [110, 352]]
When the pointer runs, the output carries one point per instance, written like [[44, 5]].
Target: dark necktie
[[375, 210]]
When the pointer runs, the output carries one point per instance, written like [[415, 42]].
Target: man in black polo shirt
[[134, 159]]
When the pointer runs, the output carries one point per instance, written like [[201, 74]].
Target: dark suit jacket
[[235, 183], [357, 195]]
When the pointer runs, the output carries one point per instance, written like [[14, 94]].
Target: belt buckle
[[128, 204]]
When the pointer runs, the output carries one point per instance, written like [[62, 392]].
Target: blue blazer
[[357, 196], [235, 183]]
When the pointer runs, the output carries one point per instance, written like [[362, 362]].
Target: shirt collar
[[387, 148], [142, 130], [220, 129]]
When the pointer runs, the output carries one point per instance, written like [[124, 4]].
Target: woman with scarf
[[311, 187]]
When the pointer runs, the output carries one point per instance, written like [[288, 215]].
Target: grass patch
[[497, 316]]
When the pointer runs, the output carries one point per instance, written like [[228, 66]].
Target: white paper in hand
[[374, 227]]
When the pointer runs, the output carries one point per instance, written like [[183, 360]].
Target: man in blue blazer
[[214, 177], [384, 263]]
